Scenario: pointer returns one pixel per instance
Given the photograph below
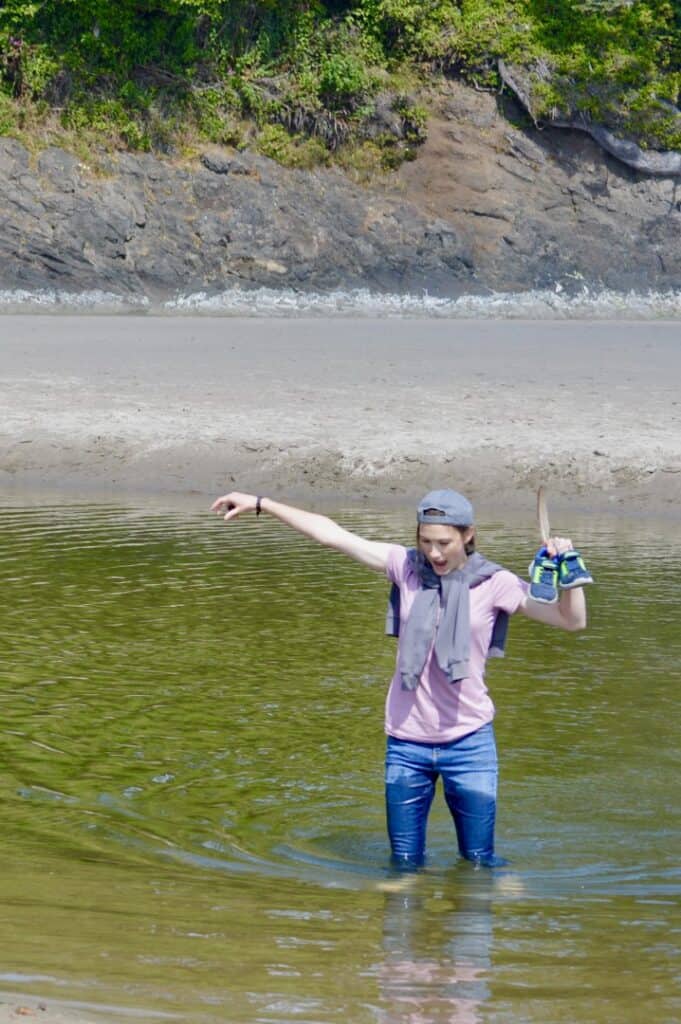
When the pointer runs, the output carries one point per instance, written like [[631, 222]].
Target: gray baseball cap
[[452, 508]]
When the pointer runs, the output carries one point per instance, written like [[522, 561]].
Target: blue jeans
[[469, 775]]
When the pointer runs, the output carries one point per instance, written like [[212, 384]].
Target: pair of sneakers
[[566, 570]]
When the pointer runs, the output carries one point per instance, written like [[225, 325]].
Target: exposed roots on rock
[[320, 124], [656, 163]]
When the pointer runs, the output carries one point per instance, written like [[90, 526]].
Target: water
[[191, 784], [557, 303]]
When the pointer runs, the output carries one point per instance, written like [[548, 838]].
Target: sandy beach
[[343, 410]]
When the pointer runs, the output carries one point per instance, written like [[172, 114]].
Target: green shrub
[[342, 78], [142, 72], [8, 115], [291, 150], [408, 28]]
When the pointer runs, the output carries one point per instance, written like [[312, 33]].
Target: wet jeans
[[469, 776]]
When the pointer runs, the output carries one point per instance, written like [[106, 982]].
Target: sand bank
[[343, 410]]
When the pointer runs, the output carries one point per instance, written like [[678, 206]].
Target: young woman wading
[[449, 607]]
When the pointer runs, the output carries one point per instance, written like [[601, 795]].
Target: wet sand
[[343, 410]]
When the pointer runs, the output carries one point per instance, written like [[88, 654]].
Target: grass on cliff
[[308, 81]]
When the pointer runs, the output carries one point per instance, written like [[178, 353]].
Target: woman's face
[[444, 546]]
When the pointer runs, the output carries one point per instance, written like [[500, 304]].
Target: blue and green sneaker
[[571, 570], [543, 572]]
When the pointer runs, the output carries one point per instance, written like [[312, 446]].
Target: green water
[[191, 784]]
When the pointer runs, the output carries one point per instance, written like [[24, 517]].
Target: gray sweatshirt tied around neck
[[441, 608]]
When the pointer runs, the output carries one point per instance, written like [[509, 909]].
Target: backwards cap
[[452, 508]]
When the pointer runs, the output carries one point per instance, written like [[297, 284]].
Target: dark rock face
[[486, 206], [543, 207], [157, 229]]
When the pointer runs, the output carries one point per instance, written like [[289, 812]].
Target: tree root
[[655, 163]]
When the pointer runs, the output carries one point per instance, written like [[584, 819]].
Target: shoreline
[[343, 411]]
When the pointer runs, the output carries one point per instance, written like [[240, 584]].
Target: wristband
[[258, 505]]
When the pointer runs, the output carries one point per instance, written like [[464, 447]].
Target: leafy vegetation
[[304, 79]]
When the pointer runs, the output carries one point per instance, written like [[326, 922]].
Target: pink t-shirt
[[438, 711]]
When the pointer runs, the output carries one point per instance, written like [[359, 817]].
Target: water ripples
[[195, 710], [555, 303]]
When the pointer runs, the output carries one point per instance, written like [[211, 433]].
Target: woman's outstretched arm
[[570, 610], [373, 554]]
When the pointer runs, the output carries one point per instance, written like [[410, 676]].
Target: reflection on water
[[436, 962], [191, 784]]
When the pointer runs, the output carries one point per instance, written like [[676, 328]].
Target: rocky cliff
[[488, 205]]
